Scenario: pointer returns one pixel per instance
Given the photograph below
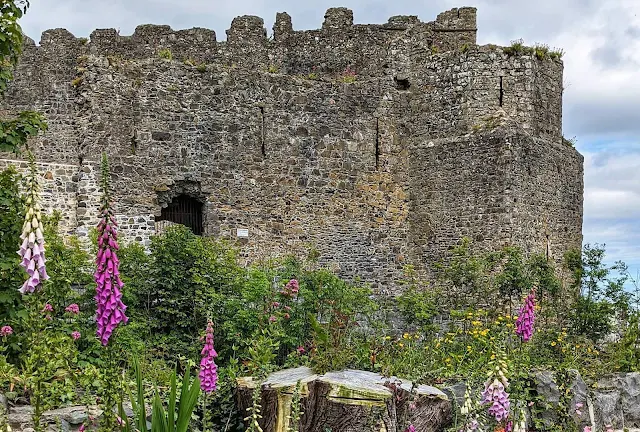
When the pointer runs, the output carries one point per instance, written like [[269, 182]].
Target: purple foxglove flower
[[208, 369], [110, 311], [32, 247], [495, 395], [526, 318]]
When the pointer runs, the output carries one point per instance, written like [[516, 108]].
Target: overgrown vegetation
[[540, 51], [287, 313], [348, 75], [165, 54], [14, 132]]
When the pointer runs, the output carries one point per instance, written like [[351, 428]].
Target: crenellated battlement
[[449, 31]]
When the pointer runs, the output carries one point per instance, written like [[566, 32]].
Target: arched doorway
[[184, 210]]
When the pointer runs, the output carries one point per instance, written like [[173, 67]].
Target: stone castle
[[378, 146]]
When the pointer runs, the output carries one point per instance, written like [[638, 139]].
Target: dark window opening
[[186, 211], [402, 83], [134, 142]]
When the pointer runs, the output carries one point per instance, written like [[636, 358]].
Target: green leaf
[[188, 400], [172, 403], [158, 416]]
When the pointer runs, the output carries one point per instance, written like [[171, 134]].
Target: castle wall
[[59, 189], [548, 181], [456, 91], [317, 184], [458, 190], [375, 174], [499, 187]]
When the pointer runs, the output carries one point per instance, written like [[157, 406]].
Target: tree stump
[[346, 401]]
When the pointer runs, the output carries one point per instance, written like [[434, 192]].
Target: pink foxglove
[[208, 369], [32, 247], [110, 310]]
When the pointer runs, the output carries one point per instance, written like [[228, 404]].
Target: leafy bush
[[603, 299], [11, 218]]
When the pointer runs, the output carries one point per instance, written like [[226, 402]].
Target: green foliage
[[419, 304], [556, 54], [541, 51], [603, 297], [254, 410], [272, 69], [14, 132], [626, 352], [517, 47], [177, 416], [11, 38], [11, 216], [188, 275], [165, 54], [48, 359], [68, 263], [296, 409], [571, 142], [348, 76]]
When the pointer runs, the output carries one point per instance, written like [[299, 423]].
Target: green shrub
[[165, 54], [11, 217]]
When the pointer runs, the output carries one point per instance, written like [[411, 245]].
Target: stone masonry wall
[[271, 135], [59, 189]]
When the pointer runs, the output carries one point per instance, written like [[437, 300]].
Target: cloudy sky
[[601, 39]]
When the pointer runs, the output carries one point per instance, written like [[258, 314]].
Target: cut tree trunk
[[346, 401]]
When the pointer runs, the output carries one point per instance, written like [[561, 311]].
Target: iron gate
[[186, 211]]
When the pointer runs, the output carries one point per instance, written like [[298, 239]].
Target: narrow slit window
[[377, 143], [264, 150]]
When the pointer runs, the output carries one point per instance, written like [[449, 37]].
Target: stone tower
[[377, 145]]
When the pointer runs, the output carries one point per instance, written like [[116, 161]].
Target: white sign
[[243, 232]]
